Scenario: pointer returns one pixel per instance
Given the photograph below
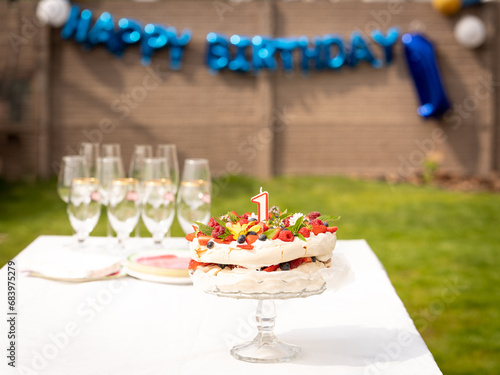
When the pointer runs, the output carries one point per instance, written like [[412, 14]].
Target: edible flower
[[237, 229]]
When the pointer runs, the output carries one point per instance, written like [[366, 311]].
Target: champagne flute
[[124, 208], [169, 152], [110, 150], [84, 207], [193, 199], [91, 153], [72, 166], [141, 153], [108, 169], [158, 208]]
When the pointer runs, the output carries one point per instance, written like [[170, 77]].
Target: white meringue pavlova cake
[[288, 253]]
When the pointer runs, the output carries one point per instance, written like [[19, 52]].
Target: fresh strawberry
[[305, 232], [245, 247], [286, 235], [251, 238], [331, 229], [271, 268], [276, 235], [307, 260], [264, 226], [212, 223], [203, 240], [193, 264], [295, 263], [190, 236], [242, 221], [317, 229]]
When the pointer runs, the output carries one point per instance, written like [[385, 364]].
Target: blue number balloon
[[310, 54], [421, 60], [177, 45], [239, 63], [102, 31], [360, 51], [285, 46], [263, 53], [154, 37], [387, 42], [327, 42], [217, 56]]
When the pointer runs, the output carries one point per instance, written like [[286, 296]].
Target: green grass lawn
[[441, 249]]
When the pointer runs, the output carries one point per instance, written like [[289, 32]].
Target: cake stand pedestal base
[[265, 347]]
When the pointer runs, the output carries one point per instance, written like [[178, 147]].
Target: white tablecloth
[[129, 326]]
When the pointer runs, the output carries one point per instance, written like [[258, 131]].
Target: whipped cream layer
[[239, 280], [266, 253]]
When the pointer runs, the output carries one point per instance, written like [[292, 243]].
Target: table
[[130, 326]]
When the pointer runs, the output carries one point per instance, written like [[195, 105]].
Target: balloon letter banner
[[244, 54], [128, 31], [424, 70]]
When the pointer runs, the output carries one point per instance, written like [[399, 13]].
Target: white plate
[[157, 278]]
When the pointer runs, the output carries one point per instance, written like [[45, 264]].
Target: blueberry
[[252, 219], [241, 238], [222, 266], [282, 227], [313, 259], [252, 232], [262, 237], [325, 223], [210, 244], [285, 266]]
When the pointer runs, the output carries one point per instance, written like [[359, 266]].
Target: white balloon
[[53, 12], [470, 31]]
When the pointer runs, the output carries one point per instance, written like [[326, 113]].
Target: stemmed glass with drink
[[158, 203], [124, 208], [84, 207], [193, 198]]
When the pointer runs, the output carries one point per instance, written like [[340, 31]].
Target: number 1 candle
[[262, 201]]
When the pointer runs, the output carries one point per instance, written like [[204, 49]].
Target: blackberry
[[285, 266], [241, 238], [210, 244], [222, 266], [313, 259], [262, 237], [252, 232]]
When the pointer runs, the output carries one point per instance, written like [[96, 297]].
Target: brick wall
[[359, 121]]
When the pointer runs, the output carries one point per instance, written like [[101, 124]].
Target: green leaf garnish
[[300, 236], [205, 229], [328, 218], [271, 232], [284, 215], [234, 218], [296, 227]]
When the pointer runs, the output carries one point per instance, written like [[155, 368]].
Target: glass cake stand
[[266, 347]]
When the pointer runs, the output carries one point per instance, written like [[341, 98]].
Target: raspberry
[[316, 222], [286, 235], [305, 232], [218, 231], [212, 223], [244, 216], [286, 222], [313, 215], [242, 221]]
